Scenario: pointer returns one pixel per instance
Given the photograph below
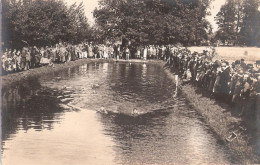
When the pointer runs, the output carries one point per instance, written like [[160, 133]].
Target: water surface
[[54, 120]]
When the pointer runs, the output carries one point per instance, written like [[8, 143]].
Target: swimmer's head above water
[[135, 111], [102, 108]]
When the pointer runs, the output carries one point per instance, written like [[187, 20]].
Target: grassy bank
[[8, 80], [220, 119]]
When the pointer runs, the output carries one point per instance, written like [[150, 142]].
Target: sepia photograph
[[130, 82]]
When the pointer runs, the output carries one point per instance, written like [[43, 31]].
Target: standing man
[[117, 51], [27, 59], [84, 51]]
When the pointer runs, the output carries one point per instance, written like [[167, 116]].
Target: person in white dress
[[145, 53]]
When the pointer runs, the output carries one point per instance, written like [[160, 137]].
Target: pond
[[55, 119]]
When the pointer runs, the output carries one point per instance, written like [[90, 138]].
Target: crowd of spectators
[[14, 60], [30, 57], [236, 83]]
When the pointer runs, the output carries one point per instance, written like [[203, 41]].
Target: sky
[[90, 5]]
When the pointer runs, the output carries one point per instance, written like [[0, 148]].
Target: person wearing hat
[[213, 76], [232, 85], [245, 93], [206, 77], [237, 91], [243, 65]]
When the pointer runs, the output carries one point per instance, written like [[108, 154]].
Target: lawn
[[250, 54]]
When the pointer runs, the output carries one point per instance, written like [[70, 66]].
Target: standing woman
[[23, 59], [90, 51], [145, 53], [69, 54], [63, 54], [120, 53], [18, 60], [105, 52], [14, 63], [111, 51], [127, 53], [138, 53]]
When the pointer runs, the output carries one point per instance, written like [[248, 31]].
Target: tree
[[226, 19], [42, 22], [158, 22], [250, 27], [78, 25], [239, 22]]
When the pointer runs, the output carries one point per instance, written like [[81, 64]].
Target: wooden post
[[176, 83]]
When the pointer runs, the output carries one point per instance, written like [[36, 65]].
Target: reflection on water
[[53, 120]]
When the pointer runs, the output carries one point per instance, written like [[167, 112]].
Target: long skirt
[[90, 54], [85, 54], [23, 62], [45, 60]]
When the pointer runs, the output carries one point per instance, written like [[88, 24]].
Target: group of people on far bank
[[16, 60]]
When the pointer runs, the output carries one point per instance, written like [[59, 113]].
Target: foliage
[[153, 21], [42, 22], [250, 27], [239, 23], [226, 19]]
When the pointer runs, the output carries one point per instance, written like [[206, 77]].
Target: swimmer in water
[[102, 110], [135, 112]]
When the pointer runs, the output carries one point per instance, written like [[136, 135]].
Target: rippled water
[[54, 120]]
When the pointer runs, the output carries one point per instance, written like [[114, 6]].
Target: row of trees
[[42, 22], [239, 23], [153, 21], [46, 22]]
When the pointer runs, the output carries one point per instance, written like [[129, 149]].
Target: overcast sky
[[90, 5]]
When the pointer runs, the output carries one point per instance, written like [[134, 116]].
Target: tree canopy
[[42, 22], [154, 21], [239, 22]]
